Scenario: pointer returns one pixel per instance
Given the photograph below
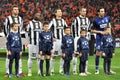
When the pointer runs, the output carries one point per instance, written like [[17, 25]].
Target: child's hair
[[67, 27], [12, 25], [82, 30], [45, 23]]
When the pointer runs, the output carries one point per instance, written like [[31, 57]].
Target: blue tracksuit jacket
[[68, 46]]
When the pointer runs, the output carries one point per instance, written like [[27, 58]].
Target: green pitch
[[57, 76]]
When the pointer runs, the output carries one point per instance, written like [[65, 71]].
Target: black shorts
[[46, 53]]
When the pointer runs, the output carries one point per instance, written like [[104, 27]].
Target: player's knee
[[47, 56], [20, 56], [98, 53], [41, 57], [75, 55], [53, 57]]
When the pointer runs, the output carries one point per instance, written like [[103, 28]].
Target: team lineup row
[[35, 34]]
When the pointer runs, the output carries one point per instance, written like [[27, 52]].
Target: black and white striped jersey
[[57, 27], [33, 29], [79, 23], [9, 20]]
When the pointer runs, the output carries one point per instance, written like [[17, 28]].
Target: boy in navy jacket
[[107, 48], [14, 47], [83, 49], [45, 47], [67, 50]]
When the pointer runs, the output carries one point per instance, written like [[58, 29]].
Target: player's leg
[[86, 68], [47, 64], [20, 65], [41, 63], [10, 68], [38, 64], [98, 53], [52, 63], [97, 61], [104, 65], [7, 65], [65, 66], [105, 61], [17, 57], [81, 67], [61, 65], [30, 60], [11, 57], [68, 67], [109, 66], [36, 50], [29, 66], [21, 74], [84, 65], [91, 50], [74, 59], [61, 59], [52, 59]]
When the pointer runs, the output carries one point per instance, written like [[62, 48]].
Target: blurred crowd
[[70, 10]]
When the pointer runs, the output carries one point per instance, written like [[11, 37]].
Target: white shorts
[[33, 51], [57, 47], [75, 45]]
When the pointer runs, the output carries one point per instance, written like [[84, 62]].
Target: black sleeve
[[94, 25], [8, 42]]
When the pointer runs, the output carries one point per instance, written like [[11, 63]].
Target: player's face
[[15, 11], [15, 27], [101, 12], [45, 27], [59, 13], [67, 31], [37, 16], [83, 33], [83, 12]]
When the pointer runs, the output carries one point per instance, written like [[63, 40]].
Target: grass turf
[[91, 68]]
